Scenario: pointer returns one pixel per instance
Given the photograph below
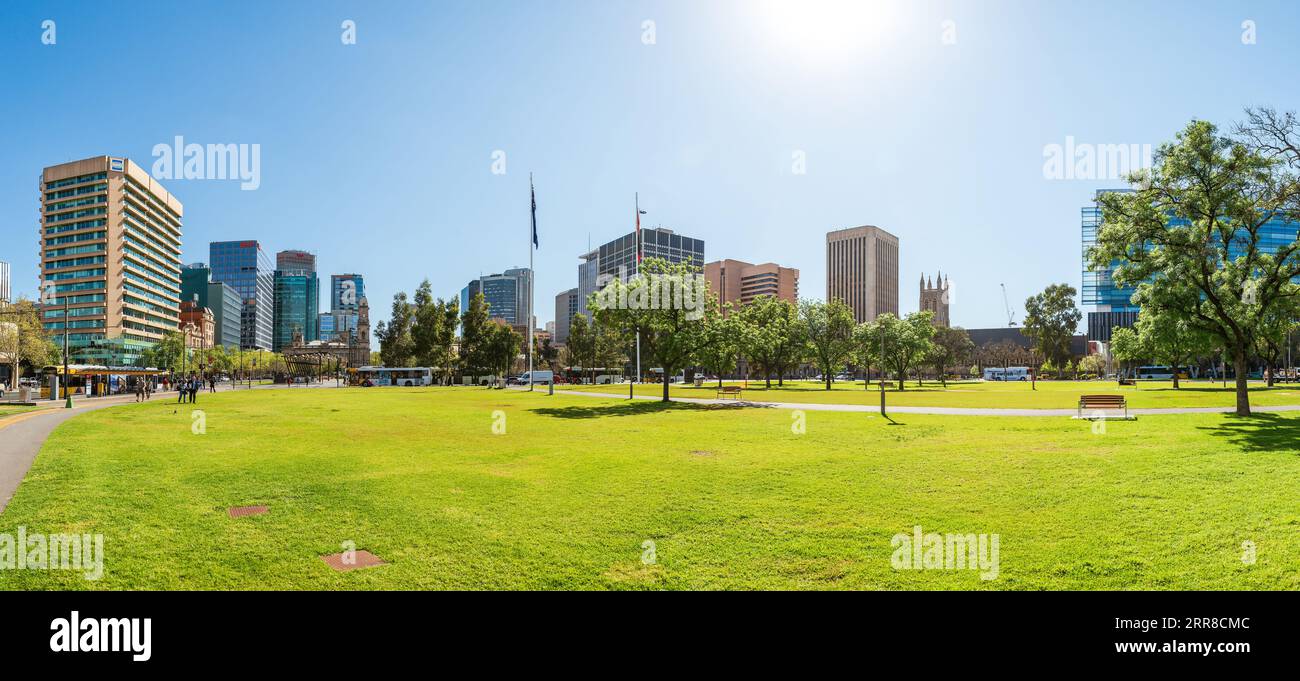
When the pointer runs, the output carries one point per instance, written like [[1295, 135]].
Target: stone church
[[935, 298]]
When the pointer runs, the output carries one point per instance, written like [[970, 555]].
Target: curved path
[[23, 434], [950, 411]]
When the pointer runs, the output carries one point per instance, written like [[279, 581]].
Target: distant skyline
[[755, 126]]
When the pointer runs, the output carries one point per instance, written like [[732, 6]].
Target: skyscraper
[[566, 305], [246, 268], [862, 270], [618, 258], [346, 293], [739, 283], [297, 298], [114, 261], [225, 303], [508, 295], [295, 261]]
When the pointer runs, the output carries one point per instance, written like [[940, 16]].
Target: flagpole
[[532, 234], [636, 197]]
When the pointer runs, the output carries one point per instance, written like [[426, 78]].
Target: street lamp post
[[66, 389]]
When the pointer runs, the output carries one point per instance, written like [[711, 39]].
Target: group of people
[[187, 390]]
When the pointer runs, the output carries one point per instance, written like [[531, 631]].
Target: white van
[[538, 377]]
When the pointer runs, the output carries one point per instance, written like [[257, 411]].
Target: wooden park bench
[[732, 391], [1102, 402]]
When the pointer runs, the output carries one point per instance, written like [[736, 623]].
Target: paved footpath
[[950, 411], [23, 434]]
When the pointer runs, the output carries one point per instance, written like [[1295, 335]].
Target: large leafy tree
[[672, 334], [396, 345], [1127, 348], [473, 336], [726, 338], [1051, 319], [500, 348], [951, 345], [829, 328], [582, 344], [23, 339], [774, 338], [1191, 235], [1166, 337], [867, 349], [906, 342]]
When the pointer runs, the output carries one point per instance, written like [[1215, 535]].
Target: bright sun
[[826, 28]]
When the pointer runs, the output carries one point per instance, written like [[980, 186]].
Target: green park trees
[[829, 330], [1192, 236], [774, 338], [23, 339], [666, 304], [1051, 320], [725, 340], [950, 346], [904, 343]]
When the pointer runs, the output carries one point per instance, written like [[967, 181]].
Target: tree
[[1191, 236], [396, 346], [426, 326], [1051, 319], [1092, 364], [1169, 339], [773, 337], [444, 356], [866, 350], [1274, 335], [500, 348], [1126, 347], [582, 344], [829, 328], [951, 345], [666, 304], [473, 336], [725, 338], [23, 338], [905, 341], [166, 353]]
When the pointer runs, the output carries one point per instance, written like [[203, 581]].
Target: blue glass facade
[[297, 303], [245, 267]]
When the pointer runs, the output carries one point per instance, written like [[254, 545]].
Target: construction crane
[[1011, 316]]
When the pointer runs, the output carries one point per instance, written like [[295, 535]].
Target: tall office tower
[[508, 295], [862, 270], [224, 301], [110, 249], [295, 261], [566, 305], [934, 297], [297, 298], [245, 267], [618, 258], [341, 322], [5, 295], [297, 306], [739, 283]]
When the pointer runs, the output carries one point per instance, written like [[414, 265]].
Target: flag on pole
[[533, 192]]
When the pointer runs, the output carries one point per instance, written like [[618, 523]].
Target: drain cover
[[241, 511], [354, 560]]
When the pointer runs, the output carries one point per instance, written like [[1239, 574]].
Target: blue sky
[[377, 156]]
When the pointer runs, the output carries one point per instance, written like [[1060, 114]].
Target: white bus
[[400, 376], [1159, 372], [1007, 374]]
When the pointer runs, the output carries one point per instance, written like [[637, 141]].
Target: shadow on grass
[[1260, 432], [638, 408]]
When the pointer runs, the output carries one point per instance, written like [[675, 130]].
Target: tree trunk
[[943, 377], [768, 375], [1176, 387], [665, 385], [828, 381], [719, 380], [1243, 391]]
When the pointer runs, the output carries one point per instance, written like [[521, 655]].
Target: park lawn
[[732, 498], [9, 409], [982, 394]]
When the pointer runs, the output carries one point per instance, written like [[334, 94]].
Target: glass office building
[[245, 267], [297, 295], [618, 258], [508, 295], [225, 303], [1112, 304]]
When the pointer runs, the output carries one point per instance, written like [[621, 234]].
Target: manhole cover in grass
[[354, 560], [701, 452], [241, 511]]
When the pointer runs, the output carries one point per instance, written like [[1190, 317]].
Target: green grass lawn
[[731, 497], [991, 394], [7, 409]]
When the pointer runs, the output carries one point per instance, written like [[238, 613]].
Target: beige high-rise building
[[739, 282], [862, 270], [111, 249]]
